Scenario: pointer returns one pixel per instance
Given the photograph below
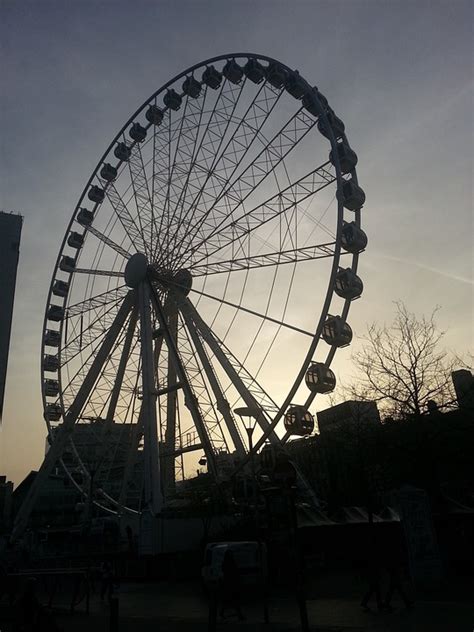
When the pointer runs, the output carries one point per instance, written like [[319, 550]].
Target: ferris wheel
[[207, 270]]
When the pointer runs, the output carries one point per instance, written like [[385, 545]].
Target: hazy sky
[[400, 74]]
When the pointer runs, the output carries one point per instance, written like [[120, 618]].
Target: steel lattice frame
[[224, 189]]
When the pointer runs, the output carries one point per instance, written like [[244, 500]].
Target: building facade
[[10, 233]]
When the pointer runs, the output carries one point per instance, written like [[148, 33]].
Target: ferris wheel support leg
[[153, 491], [169, 477], [189, 396], [222, 404], [137, 432], [127, 345], [65, 431], [193, 319]]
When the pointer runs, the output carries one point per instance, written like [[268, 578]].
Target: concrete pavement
[[179, 608]]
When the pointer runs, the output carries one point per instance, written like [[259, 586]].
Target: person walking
[[231, 587], [107, 581], [394, 557], [373, 576]]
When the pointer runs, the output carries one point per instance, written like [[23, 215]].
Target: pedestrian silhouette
[[231, 588], [373, 576], [394, 559], [107, 581]]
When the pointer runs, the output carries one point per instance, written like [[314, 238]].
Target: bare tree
[[403, 366]]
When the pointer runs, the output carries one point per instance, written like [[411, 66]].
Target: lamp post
[[249, 414], [253, 413]]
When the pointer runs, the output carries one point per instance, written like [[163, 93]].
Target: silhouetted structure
[[348, 414], [6, 490], [10, 233], [463, 381]]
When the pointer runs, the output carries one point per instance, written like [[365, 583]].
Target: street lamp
[[249, 413]]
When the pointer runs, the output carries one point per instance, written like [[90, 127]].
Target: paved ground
[[178, 608], [182, 607]]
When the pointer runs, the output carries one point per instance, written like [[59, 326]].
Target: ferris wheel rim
[[330, 289]]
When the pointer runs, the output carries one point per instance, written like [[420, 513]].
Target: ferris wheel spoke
[[247, 387], [121, 210], [78, 337], [182, 171], [215, 177], [92, 272], [279, 257], [275, 206], [91, 345], [204, 155], [173, 188], [254, 313], [98, 301], [272, 154], [142, 196], [107, 241]]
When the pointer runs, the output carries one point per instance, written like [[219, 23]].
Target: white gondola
[[353, 238], [53, 412], [52, 338], [232, 71], [67, 264], [122, 152], [51, 388], [172, 100], [60, 288], [96, 194], [212, 77], [85, 217], [336, 332], [51, 363], [192, 87], [137, 133], [351, 195], [347, 157], [55, 313], [108, 172], [299, 421], [348, 285], [320, 379], [75, 240]]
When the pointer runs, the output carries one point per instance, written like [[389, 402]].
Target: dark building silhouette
[[10, 233], [6, 491], [463, 381], [348, 414]]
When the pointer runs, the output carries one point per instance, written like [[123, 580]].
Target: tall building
[[10, 233]]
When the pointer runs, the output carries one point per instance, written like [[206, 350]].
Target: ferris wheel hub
[[136, 270], [179, 282]]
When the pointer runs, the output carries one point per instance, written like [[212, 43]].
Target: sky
[[399, 73]]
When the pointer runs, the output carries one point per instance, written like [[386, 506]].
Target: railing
[[74, 586]]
